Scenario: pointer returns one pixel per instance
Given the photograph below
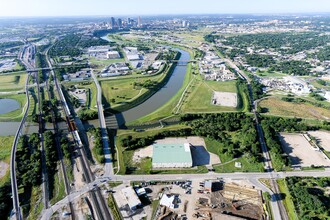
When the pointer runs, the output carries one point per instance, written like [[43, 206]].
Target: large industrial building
[[171, 156]]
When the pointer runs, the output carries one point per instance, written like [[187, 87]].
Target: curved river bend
[[163, 95]]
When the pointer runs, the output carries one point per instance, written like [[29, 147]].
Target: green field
[[100, 64], [200, 97], [276, 106], [12, 82], [15, 115], [5, 148]]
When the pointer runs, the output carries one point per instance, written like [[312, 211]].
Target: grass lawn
[[59, 188], [288, 204], [36, 203], [114, 208], [100, 64], [12, 82], [200, 97], [5, 148], [15, 115], [275, 106]]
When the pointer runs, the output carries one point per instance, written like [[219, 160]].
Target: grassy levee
[[242, 100], [288, 203], [167, 109]]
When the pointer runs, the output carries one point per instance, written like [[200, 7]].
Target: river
[[162, 96]]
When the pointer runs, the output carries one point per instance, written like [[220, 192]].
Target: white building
[[113, 55], [132, 199], [171, 156]]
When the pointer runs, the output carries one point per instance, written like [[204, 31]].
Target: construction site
[[201, 200]]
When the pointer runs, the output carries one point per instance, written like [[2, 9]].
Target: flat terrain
[[228, 99], [301, 152], [12, 82], [322, 137], [200, 97], [275, 106]]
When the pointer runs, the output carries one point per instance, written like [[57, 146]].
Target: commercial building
[[113, 55], [132, 199], [171, 156]]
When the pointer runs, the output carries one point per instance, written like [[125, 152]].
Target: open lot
[[200, 96], [275, 106], [301, 152], [322, 137], [199, 153], [12, 82], [225, 99]]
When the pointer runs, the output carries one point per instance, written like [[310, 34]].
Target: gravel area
[[228, 99], [322, 137], [301, 152]]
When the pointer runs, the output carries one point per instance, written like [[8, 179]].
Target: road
[[278, 208], [108, 169], [16, 212]]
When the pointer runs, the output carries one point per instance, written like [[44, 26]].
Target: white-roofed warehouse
[[171, 156]]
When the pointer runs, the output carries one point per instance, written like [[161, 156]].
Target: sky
[[156, 7]]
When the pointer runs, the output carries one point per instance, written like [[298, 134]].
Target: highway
[[16, 213], [108, 167]]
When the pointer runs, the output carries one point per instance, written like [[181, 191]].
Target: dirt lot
[[228, 99], [199, 153], [322, 137], [3, 168], [301, 152]]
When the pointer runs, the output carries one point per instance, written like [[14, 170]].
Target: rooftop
[[171, 153]]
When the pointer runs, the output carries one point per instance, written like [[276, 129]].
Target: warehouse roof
[[171, 153]]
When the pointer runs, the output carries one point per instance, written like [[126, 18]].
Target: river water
[[164, 94]]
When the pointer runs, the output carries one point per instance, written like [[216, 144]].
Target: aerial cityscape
[[197, 110]]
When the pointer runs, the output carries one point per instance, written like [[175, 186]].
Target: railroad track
[[98, 201]]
